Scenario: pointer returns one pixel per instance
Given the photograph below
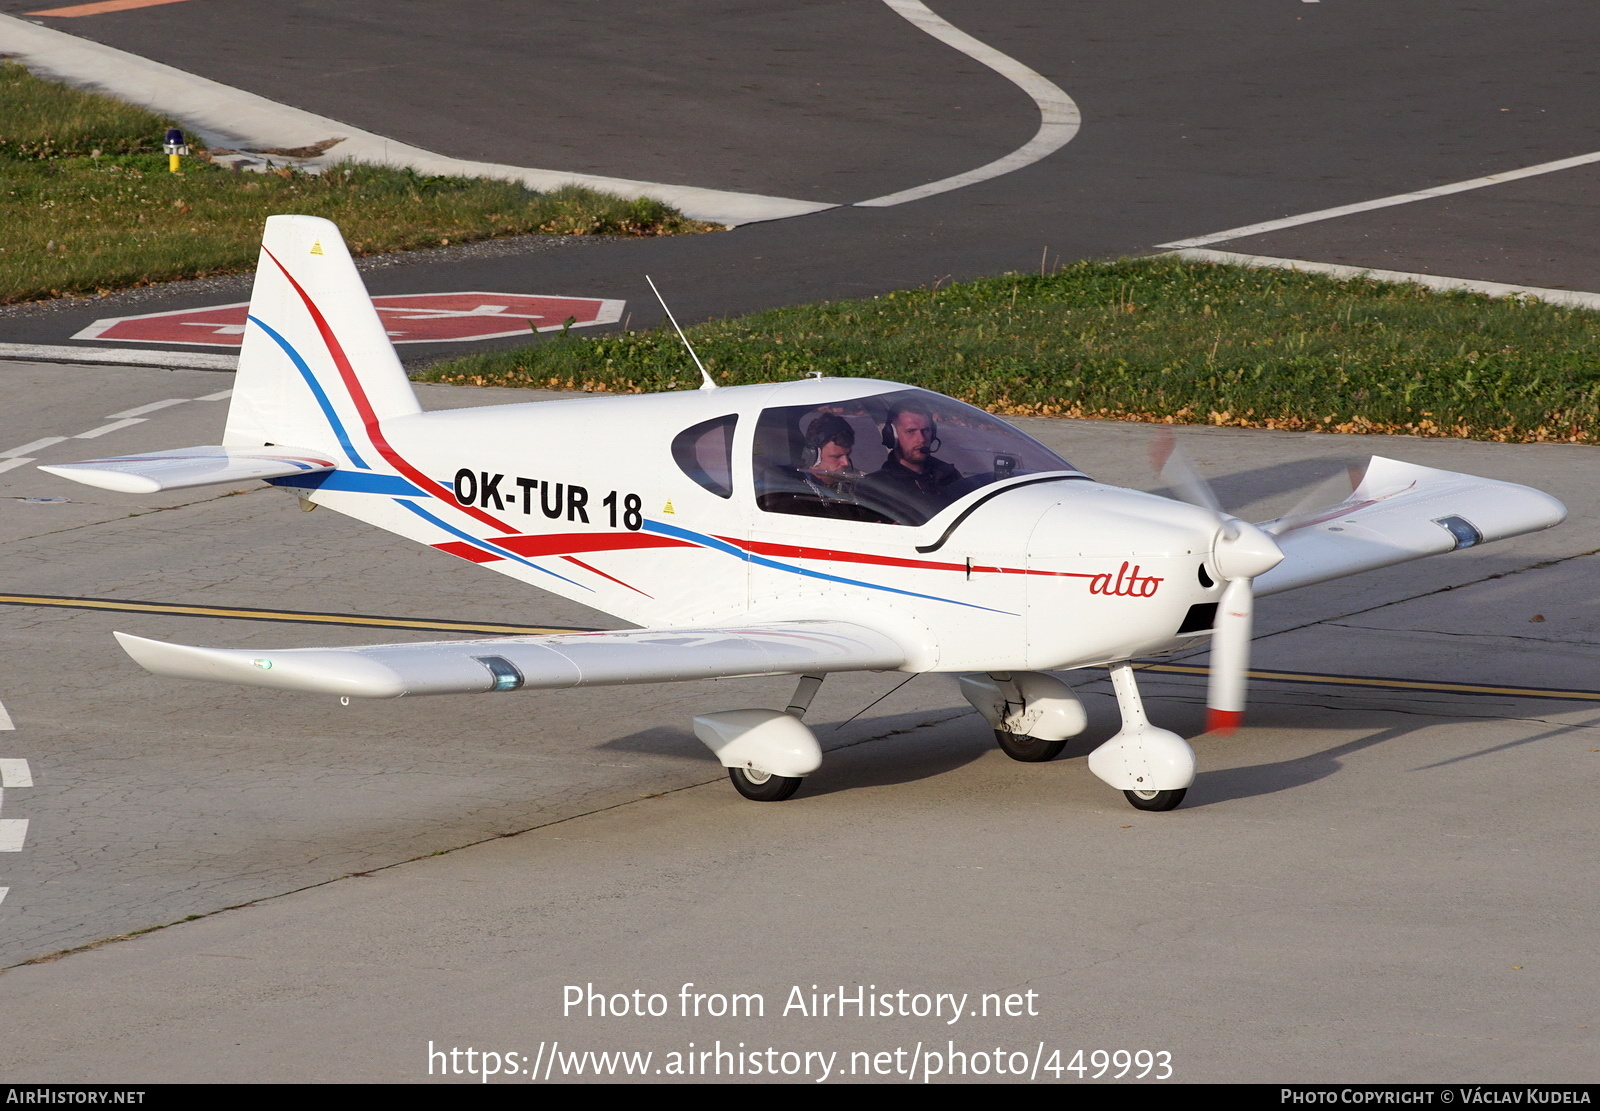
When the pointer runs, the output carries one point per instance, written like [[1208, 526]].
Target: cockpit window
[[896, 458], [704, 452]]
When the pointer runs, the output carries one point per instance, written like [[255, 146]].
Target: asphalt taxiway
[[1371, 883]]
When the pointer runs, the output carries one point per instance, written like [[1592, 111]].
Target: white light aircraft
[[798, 528]]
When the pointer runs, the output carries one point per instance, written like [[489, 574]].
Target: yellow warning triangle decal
[[316, 248], [668, 508]]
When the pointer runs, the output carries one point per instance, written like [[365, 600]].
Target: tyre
[[763, 786], [1156, 800], [1030, 750]]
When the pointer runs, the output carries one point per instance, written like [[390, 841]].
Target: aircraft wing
[[532, 662], [1402, 512], [191, 466]]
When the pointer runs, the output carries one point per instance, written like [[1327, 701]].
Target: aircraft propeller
[[1240, 551]]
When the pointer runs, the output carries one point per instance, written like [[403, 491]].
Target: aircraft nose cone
[[1242, 551]]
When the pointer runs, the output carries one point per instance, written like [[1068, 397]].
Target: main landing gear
[[1030, 750], [767, 752], [763, 786], [1033, 714]]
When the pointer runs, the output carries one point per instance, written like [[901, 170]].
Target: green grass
[[1154, 339], [88, 206], [42, 119]]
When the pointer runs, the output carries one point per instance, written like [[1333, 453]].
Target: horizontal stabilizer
[[1402, 512], [191, 466], [531, 663]]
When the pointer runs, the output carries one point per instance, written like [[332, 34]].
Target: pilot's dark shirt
[[910, 496]]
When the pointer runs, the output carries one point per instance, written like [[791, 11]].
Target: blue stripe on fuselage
[[359, 482], [761, 561]]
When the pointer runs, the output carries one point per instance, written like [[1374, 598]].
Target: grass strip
[[1152, 339], [87, 204]]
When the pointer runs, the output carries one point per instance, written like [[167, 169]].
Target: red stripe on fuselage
[[603, 575], [369, 419], [468, 551], [793, 551], [562, 543]]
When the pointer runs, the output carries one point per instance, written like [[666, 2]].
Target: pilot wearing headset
[[827, 471], [912, 485], [912, 437], [822, 483]]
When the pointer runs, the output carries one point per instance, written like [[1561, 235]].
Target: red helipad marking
[[409, 318]]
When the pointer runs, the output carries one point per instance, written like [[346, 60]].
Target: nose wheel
[[1156, 800], [764, 786]]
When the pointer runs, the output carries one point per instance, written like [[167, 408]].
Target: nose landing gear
[[1152, 767]]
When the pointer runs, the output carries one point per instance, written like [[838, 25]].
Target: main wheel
[[1156, 800], [1030, 750], [763, 786]]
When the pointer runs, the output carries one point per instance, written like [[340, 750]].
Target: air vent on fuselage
[[1200, 618]]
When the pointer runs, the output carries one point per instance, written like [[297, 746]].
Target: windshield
[[895, 458]]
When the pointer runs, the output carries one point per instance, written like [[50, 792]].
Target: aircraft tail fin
[[316, 368]]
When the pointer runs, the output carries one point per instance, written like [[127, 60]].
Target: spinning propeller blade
[[1240, 552]]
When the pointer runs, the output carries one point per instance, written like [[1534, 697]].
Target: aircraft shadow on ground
[[853, 757], [1255, 780], [884, 751]]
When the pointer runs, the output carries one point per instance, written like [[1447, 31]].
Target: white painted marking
[[120, 356], [34, 446], [97, 329], [224, 116], [1386, 202], [15, 773], [13, 831], [1059, 119], [5, 719], [9, 463], [150, 408], [220, 395], [114, 426], [1565, 297], [4, 891]]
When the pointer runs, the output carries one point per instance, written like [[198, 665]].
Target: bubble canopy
[[893, 458]]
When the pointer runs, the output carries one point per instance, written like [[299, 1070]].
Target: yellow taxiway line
[[300, 616], [1386, 684], [371, 621]]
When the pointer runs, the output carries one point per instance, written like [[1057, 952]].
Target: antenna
[[705, 379]]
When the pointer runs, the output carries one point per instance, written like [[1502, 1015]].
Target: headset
[[828, 428], [891, 434]]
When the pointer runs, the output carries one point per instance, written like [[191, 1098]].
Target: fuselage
[[703, 508]]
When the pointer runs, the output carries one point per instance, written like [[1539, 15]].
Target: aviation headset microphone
[[891, 434]]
